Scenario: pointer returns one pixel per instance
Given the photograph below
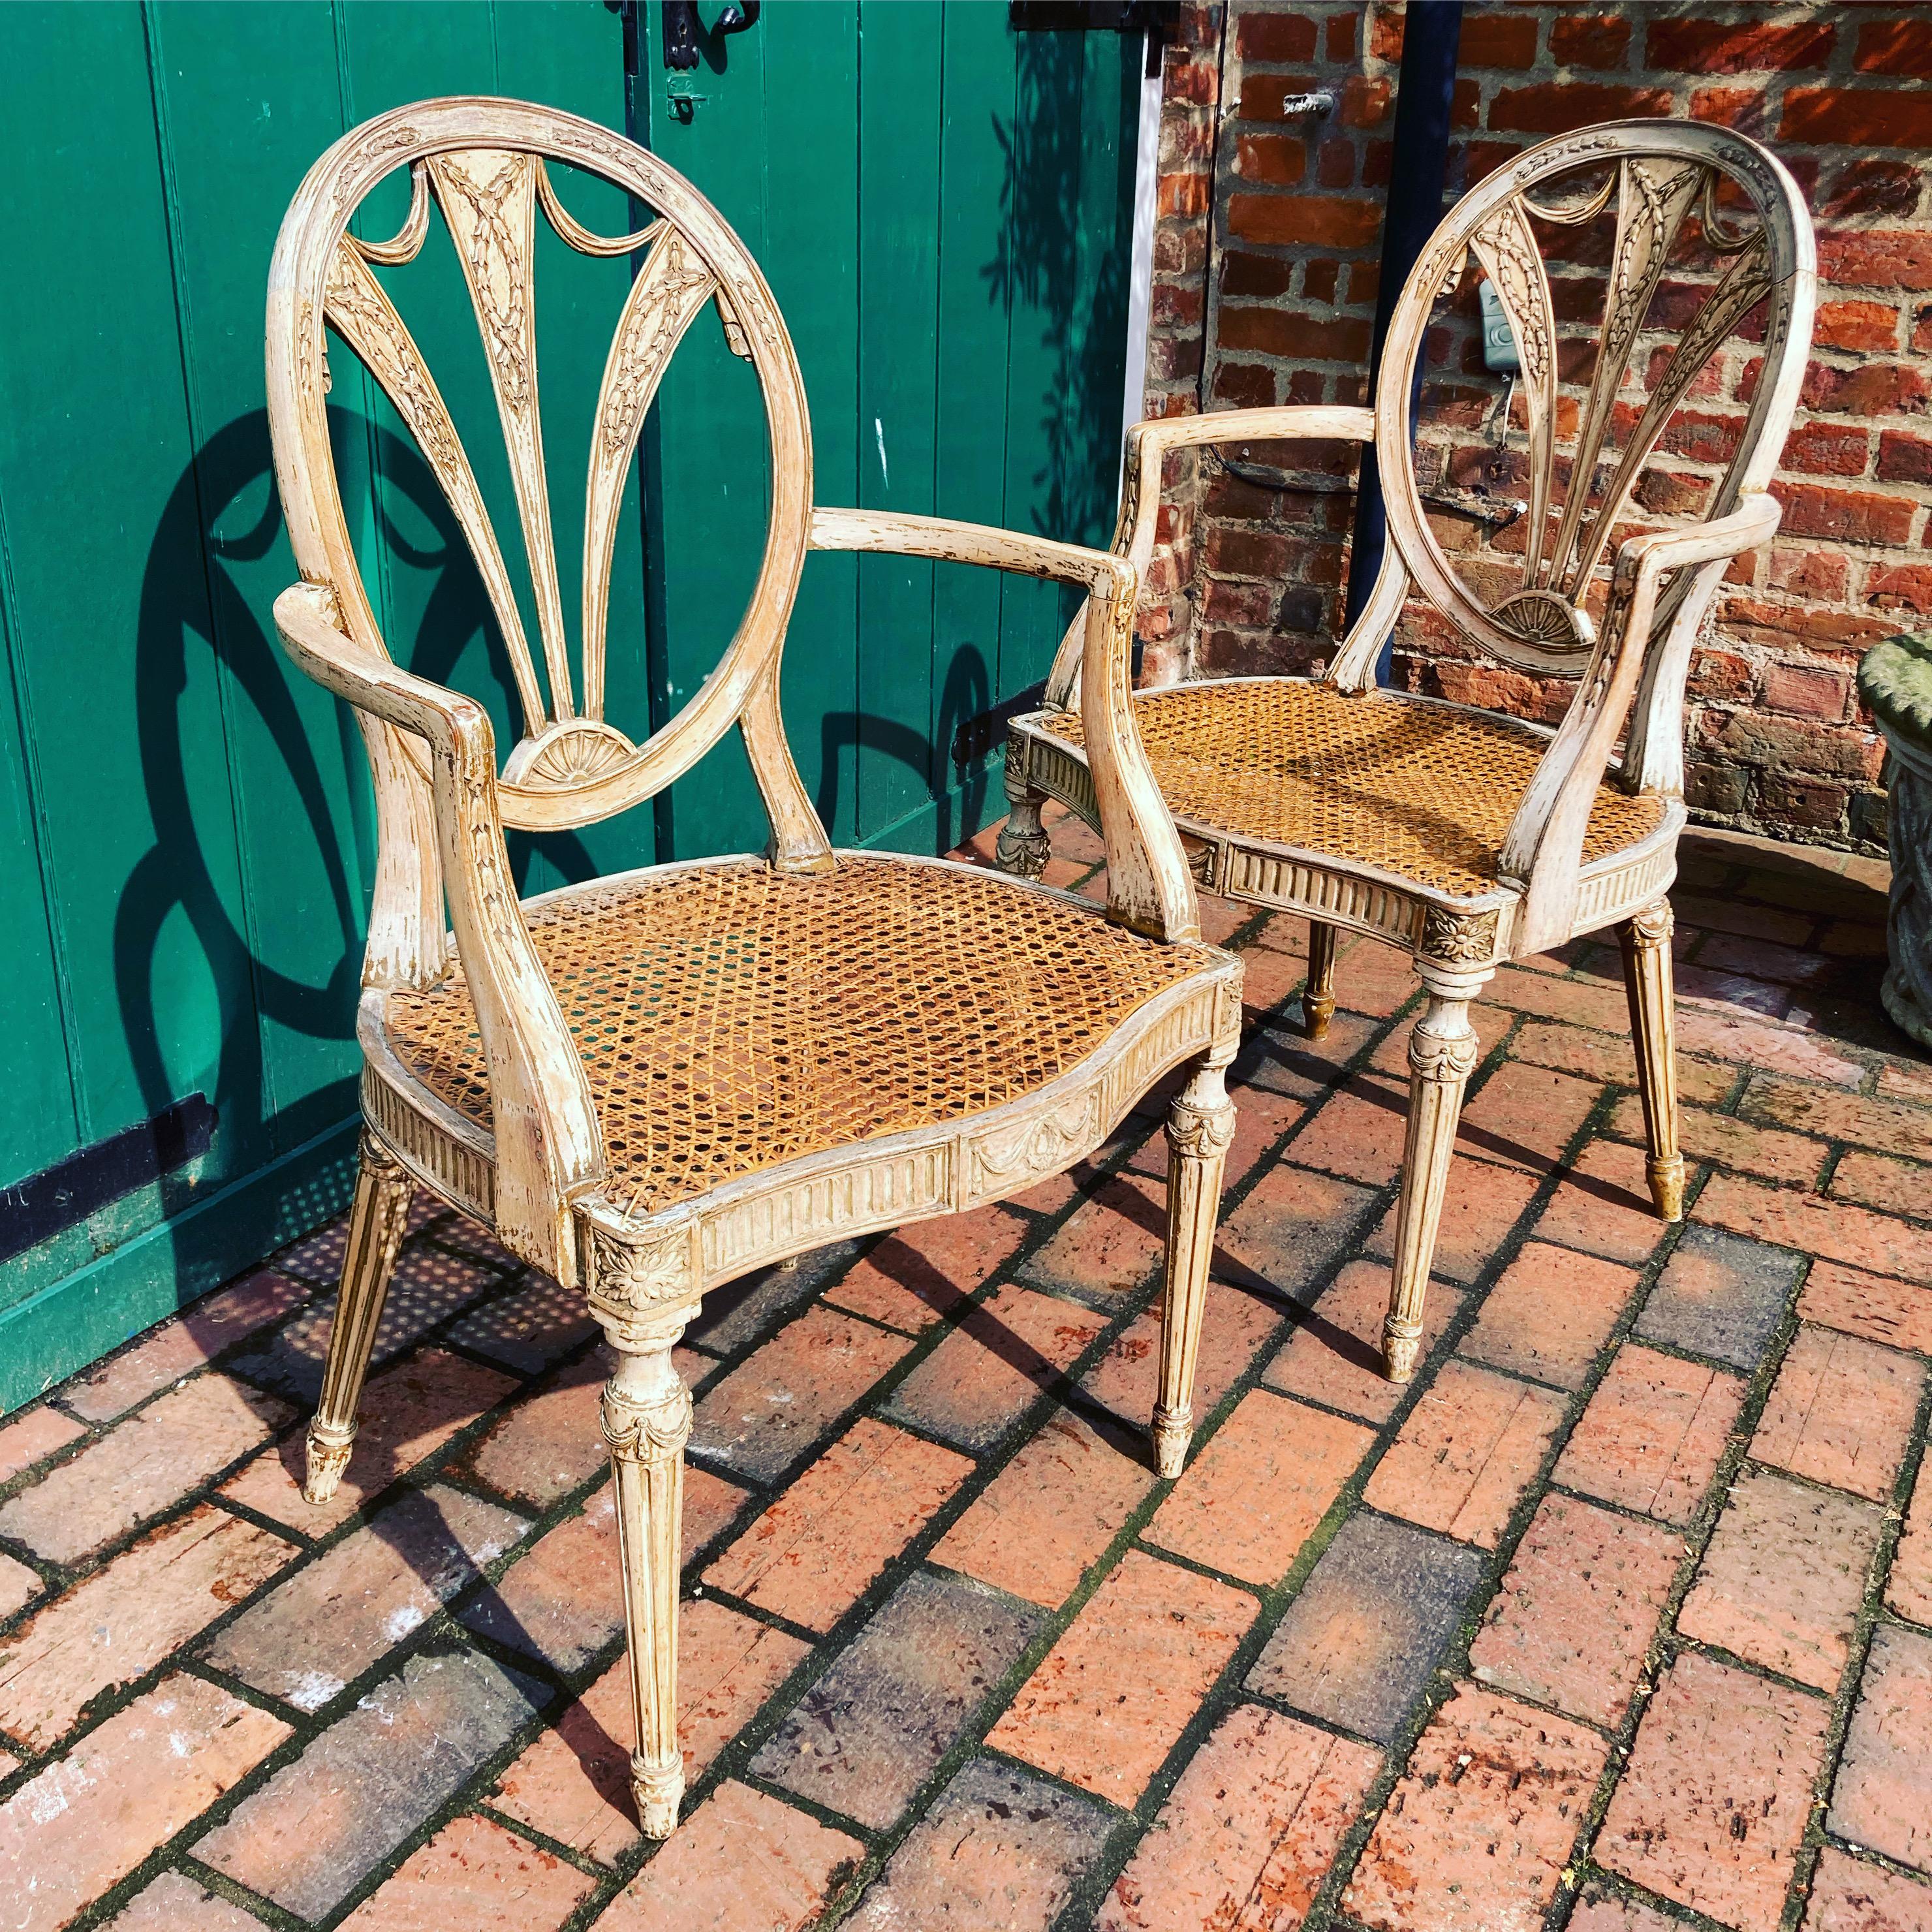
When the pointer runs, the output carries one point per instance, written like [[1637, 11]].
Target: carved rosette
[[635, 1284], [1459, 938]]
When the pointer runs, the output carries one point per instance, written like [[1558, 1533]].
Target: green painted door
[[942, 207]]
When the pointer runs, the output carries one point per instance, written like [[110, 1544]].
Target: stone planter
[[1896, 681]]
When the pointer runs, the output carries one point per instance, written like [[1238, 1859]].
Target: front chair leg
[[1645, 940], [1200, 1125], [1318, 996], [376, 1224], [1441, 1056], [646, 1419]]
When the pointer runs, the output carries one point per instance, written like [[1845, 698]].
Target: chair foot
[[1402, 1345], [659, 1789], [327, 1456], [1173, 1431], [1666, 1187]]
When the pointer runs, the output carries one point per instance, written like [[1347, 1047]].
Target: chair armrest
[[548, 1144], [1148, 444], [1544, 846], [1149, 887]]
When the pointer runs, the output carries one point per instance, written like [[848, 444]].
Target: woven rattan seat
[[1423, 791], [730, 1018]]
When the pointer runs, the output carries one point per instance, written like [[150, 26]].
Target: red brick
[[176, 1348], [1618, 1915], [742, 1859], [1782, 1577], [1814, 1226], [1283, 39], [1114, 1240], [876, 1726], [1848, 1895], [1601, 1059], [1726, 1141], [548, 1442], [1871, 117], [1714, 46], [127, 1617], [1871, 389], [1110, 1699], [88, 1820], [1487, 1810], [1857, 326], [913, 1277], [1881, 259], [1257, 1491], [574, 1783], [306, 1640], [1893, 1313], [1841, 1412], [562, 1599], [1575, 1002], [1555, 108], [812, 1555], [1772, 1049], [475, 1874], [1334, 1356], [1249, 1832], [1652, 1435], [1882, 1799], [539, 1324], [1602, 1206], [992, 1367], [1293, 1227], [18, 1586], [1574, 1618], [1497, 39], [1712, 1806], [1468, 1449], [1845, 516], [1124, 1380], [140, 1468], [1601, 42], [1721, 1296], [779, 1403], [998, 1847], [1482, 1206], [1909, 1589], [326, 1821], [1042, 1521], [1884, 1124], [32, 1437], [1893, 49], [1280, 160], [1549, 1315], [408, 1412], [1357, 1131], [1301, 220], [173, 1903]]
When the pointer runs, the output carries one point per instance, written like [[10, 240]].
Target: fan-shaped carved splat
[[1506, 247], [488, 196], [360, 311], [1653, 198]]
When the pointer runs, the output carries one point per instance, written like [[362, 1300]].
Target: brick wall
[[1264, 292]]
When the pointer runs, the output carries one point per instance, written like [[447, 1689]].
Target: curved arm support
[[1149, 887], [548, 1144], [1148, 445], [1544, 846]]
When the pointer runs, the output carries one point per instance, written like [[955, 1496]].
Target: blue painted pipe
[[1432, 32]]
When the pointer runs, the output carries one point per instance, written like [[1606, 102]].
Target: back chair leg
[[1200, 1125], [1645, 940], [376, 1224], [1442, 1053], [1022, 847], [1318, 996], [647, 1421]]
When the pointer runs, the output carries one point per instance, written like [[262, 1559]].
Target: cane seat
[[1422, 790]]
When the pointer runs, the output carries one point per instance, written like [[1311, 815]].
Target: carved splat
[[489, 198]]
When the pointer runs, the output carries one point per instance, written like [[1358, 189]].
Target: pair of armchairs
[[652, 1084]]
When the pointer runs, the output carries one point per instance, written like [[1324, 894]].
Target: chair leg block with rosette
[[1470, 839], [651, 1084]]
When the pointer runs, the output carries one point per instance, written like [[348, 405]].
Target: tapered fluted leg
[[1200, 1125], [1653, 1010], [376, 1224], [1318, 996], [1022, 847], [1441, 1056], [646, 1418]]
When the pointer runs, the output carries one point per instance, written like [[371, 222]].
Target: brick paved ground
[[1620, 1617]]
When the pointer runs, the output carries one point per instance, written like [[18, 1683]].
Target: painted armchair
[[652, 1084], [1468, 838]]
